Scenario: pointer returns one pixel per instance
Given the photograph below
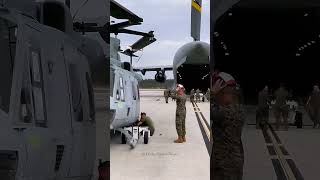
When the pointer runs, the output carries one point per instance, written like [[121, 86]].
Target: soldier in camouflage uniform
[[263, 108], [313, 106], [173, 94], [281, 109], [208, 94], [181, 99], [192, 95], [197, 96], [166, 94], [227, 118]]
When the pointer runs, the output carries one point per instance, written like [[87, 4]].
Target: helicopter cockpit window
[[8, 33], [117, 95], [121, 89], [134, 92], [91, 98], [25, 98], [138, 91], [112, 77], [74, 78], [37, 89]]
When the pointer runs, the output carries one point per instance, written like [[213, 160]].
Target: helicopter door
[[12, 148], [34, 108], [134, 114], [128, 98], [121, 99]]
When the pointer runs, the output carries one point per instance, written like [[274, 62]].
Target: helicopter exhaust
[[68, 3]]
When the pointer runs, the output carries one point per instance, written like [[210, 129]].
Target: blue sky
[[170, 21]]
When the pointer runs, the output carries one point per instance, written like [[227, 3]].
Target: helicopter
[[124, 82]]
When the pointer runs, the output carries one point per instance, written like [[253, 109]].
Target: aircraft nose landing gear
[[132, 135]]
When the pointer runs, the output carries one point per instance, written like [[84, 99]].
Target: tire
[[123, 139], [146, 137]]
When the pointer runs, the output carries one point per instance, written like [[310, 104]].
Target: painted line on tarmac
[[283, 164], [204, 130], [204, 122]]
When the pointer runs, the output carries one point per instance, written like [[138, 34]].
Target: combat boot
[[179, 140], [184, 138]]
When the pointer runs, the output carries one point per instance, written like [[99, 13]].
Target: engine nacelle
[[160, 77]]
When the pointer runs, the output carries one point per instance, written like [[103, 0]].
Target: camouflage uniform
[[173, 95], [227, 157], [281, 109], [192, 95], [314, 108], [181, 114], [263, 109], [197, 95], [208, 94], [148, 122], [166, 94]]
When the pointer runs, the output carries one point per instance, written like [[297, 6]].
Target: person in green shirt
[[146, 121], [166, 94]]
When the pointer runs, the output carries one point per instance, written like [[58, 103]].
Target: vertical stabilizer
[[196, 8]]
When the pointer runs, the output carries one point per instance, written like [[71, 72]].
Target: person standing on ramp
[[181, 114], [166, 94]]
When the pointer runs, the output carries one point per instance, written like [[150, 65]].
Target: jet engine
[[160, 76]]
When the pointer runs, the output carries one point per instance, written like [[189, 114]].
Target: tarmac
[[280, 155], [161, 159], [269, 154]]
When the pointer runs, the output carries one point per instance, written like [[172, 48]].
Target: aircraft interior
[[194, 76], [269, 45]]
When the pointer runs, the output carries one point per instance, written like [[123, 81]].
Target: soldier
[[263, 108], [181, 114], [227, 118], [281, 109], [192, 95], [146, 121], [166, 94], [173, 94], [208, 94], [313, 106], [197, 95]]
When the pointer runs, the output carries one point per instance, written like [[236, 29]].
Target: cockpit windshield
[[8, 33]]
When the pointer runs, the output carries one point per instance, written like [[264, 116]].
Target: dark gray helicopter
[[47, 109]]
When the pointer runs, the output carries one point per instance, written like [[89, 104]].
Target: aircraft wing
[[143, 70]]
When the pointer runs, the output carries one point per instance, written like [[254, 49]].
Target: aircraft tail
[[196, 8]]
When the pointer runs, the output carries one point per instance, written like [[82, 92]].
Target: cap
[[227, 78], [179, 86]]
